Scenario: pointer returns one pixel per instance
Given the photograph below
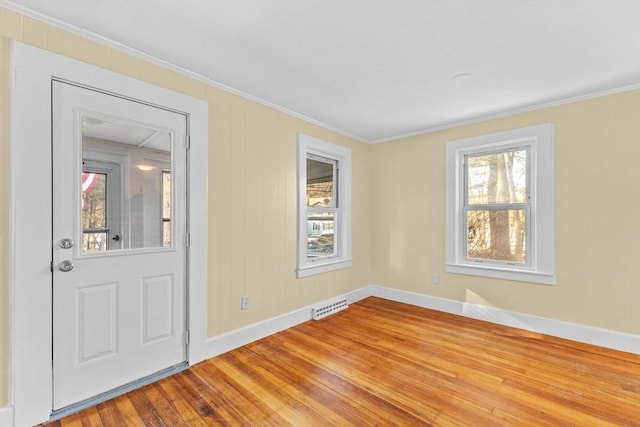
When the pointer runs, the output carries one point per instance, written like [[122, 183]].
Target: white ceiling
[[378, 69]]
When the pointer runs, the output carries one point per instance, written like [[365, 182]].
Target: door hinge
[[185, 337], [187, 141], [187, 239]]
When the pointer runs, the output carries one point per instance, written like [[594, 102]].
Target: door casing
[[30, 214]]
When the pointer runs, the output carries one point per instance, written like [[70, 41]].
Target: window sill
[[322, 267], [503, 273]]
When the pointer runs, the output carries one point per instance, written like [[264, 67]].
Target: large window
[[500, 205], [324, 206]]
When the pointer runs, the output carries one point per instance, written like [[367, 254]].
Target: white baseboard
[[6, 416], [573, 331], [248, 334], [557, 328]]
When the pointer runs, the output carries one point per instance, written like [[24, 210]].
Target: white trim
[[30, 277], [582, 333], [342, 258], [6, 416], [325, 267], [573, 331], [243, 336]]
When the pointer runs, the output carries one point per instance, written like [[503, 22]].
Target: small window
[[324, 206], [500, 202]]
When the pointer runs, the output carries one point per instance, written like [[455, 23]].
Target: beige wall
[[597, 155], [252, 196], [252, 208]]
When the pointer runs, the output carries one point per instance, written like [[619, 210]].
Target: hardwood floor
[[385, 363]]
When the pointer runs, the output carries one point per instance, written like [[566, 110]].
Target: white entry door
[[119, 250]]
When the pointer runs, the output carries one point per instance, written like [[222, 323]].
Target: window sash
[[479, 153], [335, 177], [333, 207], [464, 244], [319, 257], [466, 207]]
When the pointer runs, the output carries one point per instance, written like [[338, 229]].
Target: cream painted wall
[[252, 196], [597, 156], [252, 206]]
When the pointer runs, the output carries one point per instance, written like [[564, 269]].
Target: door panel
[[119, 212], [97, 321], [157, 307]]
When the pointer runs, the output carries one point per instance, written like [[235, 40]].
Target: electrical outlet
[[244, 303], [435, 279]]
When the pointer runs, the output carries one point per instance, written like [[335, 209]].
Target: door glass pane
[[320, 183], [133, 198], [166, 208], [320, 232], [497, 235], [497, 178], [94, 212]]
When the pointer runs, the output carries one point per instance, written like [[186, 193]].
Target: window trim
[[541, 243], [310, 146]]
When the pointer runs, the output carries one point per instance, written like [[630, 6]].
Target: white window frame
[[540, 266], [341, 206]]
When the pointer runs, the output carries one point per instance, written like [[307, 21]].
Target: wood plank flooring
[[384, 363]]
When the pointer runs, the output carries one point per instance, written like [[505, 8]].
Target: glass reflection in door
[[127, 197]]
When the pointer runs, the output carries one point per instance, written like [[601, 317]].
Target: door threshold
[[93, 401]]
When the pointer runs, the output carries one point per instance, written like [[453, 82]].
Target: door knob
[[65, 266], [66, 243], [116, 238]]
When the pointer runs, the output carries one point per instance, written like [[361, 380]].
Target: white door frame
[[30, 215]]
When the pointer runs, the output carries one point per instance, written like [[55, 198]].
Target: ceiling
[[378, 69]]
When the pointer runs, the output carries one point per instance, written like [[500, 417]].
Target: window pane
[[94, 242], [320, 181], [136, 160], [166, 208], [94, 200], [497, 178], [166, 194], [320, 231], [166, 233], [497, 235]]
